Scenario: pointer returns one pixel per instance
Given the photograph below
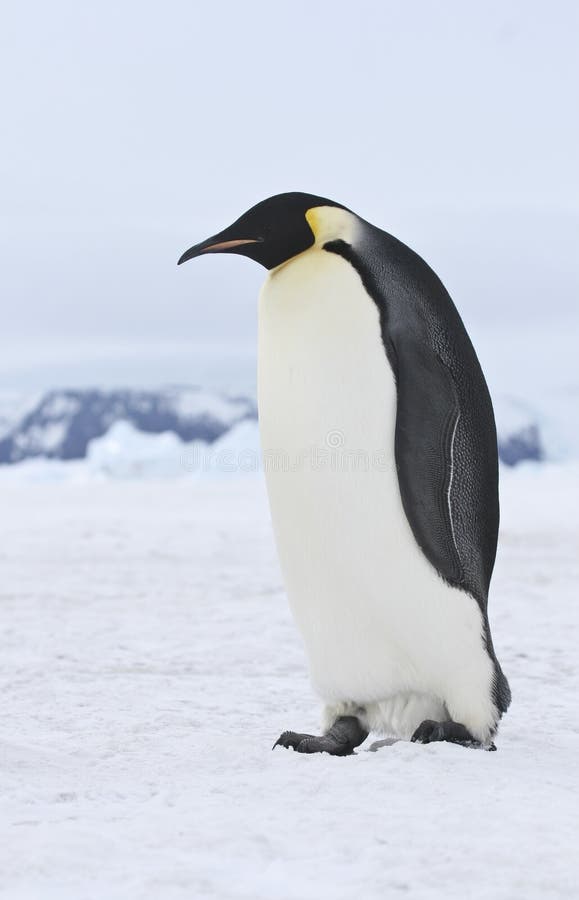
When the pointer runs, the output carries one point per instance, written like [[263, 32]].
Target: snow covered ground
[[148, 662]]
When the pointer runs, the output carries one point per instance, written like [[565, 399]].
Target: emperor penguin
[[380, 456]]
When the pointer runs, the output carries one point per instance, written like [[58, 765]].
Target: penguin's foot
[[345, 734], [430, 731]]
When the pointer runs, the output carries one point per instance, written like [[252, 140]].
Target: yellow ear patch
[[331, 223], [313, 220]]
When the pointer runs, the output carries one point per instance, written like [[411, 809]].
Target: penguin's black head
[[270, 233]]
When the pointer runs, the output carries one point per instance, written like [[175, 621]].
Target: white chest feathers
[[376, 618]]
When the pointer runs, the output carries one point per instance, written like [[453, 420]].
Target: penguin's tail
[[501, 689]]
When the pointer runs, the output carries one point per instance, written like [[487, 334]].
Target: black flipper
[[426, 423]]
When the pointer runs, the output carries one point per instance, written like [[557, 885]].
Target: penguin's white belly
[[380, 626]]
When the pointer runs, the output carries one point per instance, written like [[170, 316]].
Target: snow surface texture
[[149, 662]]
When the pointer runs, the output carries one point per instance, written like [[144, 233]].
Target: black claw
[[345, 734], [429, 731], [290, 740], [304, 743]]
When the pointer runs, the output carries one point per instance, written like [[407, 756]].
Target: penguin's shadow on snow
[[377, 745]]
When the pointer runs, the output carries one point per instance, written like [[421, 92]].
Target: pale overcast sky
[[133, 129]]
